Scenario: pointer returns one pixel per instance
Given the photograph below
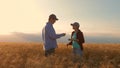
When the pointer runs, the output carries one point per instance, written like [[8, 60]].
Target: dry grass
[[31, 55]]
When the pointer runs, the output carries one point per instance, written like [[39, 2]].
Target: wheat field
[[31, 55]]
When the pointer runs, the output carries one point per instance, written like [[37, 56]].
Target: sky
[[96, 17]]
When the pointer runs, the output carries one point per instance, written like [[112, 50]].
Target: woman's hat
[[75, 24]]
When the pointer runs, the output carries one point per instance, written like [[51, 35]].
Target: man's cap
[[75, 24], [53, 16]]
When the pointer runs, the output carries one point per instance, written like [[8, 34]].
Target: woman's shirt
[[74, 43]]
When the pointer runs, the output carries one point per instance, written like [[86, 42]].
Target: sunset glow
[[30, 16]]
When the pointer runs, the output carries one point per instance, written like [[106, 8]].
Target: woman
[[77, 39]]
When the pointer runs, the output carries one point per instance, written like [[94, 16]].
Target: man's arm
[[52, 34]]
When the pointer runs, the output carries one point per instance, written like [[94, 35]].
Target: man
[[49, 36]]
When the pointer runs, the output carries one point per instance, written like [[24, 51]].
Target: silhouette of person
[[77, 39], [49, 36]]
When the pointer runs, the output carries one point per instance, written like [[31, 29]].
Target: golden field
[[31, 55]]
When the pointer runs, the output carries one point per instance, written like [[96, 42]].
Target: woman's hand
[[73, 39]]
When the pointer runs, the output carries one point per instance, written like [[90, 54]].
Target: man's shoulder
[[48, 24]]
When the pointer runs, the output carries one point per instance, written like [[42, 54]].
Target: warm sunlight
[[30, 16], [59, 33]]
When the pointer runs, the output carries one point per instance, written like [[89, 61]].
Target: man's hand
[[69, 39], [63, 34]]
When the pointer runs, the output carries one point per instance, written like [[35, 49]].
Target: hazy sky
[[96, 17]]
